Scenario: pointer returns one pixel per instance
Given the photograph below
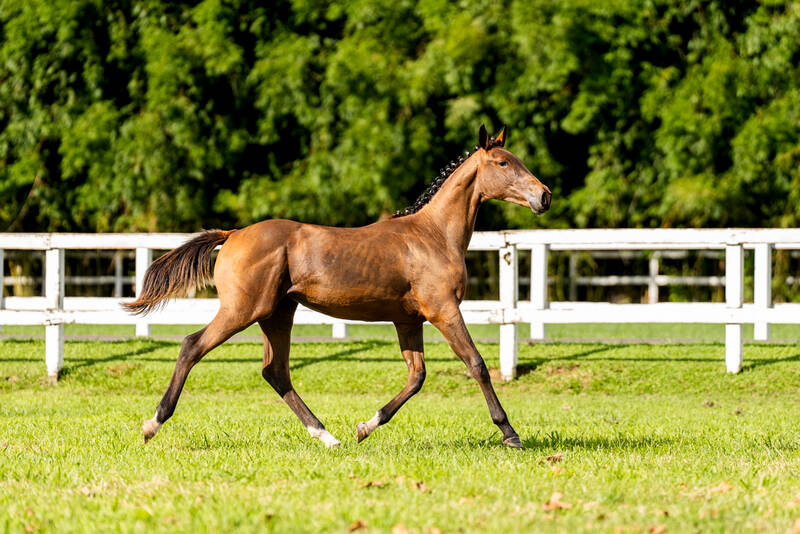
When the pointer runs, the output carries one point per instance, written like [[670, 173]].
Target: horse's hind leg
[[411, 344], [277, 330], [193, 348]]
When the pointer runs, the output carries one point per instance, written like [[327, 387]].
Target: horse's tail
[[177, 271]]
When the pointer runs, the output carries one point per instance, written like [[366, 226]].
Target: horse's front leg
[[451, 324], [410, 337]]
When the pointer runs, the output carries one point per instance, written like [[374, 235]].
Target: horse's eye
[[503, 163]]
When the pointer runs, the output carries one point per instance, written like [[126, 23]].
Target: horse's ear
[[501, 137], [483, 138]]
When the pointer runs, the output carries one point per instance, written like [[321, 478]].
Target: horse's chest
[[460, 281], [443, 280]]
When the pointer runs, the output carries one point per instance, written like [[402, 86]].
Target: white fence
[[117, 280], [653, 280], [54, 310]]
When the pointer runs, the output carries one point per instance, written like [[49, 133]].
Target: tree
[[150, 115]]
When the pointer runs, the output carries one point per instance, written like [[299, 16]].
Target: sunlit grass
[[556, 332], [646, 436]]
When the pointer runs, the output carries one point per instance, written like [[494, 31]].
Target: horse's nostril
[[545, 199]]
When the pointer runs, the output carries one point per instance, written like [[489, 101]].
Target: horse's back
[[355, 273]]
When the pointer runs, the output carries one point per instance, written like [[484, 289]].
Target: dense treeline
[[154, 115]]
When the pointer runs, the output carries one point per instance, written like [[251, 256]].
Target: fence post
[[54, 295], [144, 257], [118, 274], [652, 285], [734, 296], [509, 294], [539, 300], [762, 294], [339, 330], [573, 277]]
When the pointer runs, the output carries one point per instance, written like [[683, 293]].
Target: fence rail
[[653, 280], [54, 310]]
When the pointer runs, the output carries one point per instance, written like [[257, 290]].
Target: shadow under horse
[[406, 269]]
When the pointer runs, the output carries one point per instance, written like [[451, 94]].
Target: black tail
[[177, 271]]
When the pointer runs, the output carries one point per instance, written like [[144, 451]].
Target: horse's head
[[502, 175]]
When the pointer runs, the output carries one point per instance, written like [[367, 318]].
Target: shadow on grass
[[529, 366], [357, 347], [564, 443], [754, 363], [35, 357], [152, 345], [625, 443], [362, 346], [297, 362], [748, 364], [73, 364]]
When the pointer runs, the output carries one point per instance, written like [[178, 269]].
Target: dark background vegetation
[[173, 116]]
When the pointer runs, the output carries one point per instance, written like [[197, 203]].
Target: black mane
[[437, 183]]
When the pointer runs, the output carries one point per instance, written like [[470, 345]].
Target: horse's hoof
[[362, 431], [324, 436], [149, 429], [513, 442], [329, 441]]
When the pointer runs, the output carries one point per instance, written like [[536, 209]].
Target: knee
[[189, 348], [191, 339], [478, 371], [500, 419], [187, 344], [417, 379], [281, 387]]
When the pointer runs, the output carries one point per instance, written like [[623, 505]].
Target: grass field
[[555, 332], [634, 438]]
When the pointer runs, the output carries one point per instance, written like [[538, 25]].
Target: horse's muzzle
[[539, 202]]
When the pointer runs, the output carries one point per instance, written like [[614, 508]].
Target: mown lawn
[[555, 332], [633, 437]]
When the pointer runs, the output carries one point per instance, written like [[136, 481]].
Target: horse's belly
[[358, 307]]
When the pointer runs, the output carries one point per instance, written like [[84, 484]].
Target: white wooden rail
[[653, 280], [54, 309]]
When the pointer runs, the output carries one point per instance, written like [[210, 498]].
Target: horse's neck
[[453, 209]]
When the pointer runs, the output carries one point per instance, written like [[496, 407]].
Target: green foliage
[[152, 115]]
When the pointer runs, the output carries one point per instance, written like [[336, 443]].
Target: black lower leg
[[193, 348], [479, 371], [385, 414], [306, 416], [451, 324], [411, 345], [277, 375], [189, 356], [415, 380], [284, 388]]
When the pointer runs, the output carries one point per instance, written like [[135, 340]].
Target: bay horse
[[406, 270]]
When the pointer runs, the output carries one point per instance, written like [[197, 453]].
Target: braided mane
[[444, 173]]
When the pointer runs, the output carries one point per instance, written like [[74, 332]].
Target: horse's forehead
[[509, 155]]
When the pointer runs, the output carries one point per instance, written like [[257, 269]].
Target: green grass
[[649, 435], [693, 332]]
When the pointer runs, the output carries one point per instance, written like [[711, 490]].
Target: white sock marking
[[151, 425], [372, 424], [324, 436]]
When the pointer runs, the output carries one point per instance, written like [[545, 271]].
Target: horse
[[405, 269]]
